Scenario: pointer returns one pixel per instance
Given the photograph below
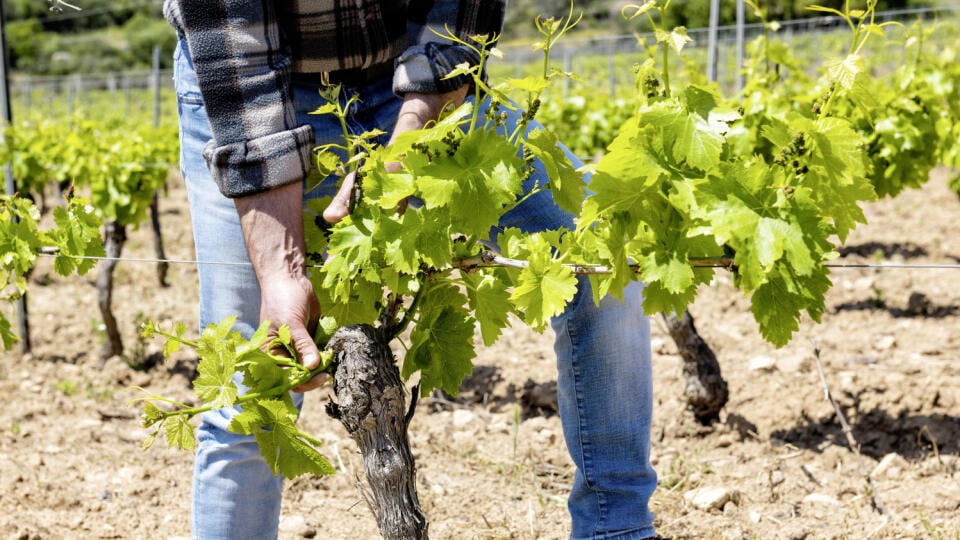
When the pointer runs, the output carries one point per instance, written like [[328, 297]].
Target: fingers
[[305, 347], [313, 383], [340, 206], [309, 357]]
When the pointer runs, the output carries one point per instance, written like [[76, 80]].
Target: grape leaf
[[490, 301], [287, 450], [387, 189], [566, 183], [697, 143], [475, 183], [179, 433], [260, 370], [441, 343], [620, 182], [6, 334], [543, 288], [777, 304], [674, 274], [217, 350], [350, 249]]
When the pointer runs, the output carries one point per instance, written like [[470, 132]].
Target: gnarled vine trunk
[[162, 265], [114, 236], [705, 389], [371, 405]]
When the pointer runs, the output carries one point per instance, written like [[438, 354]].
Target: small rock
[[755, 517], [736, 533], [89, 423], [762, 363], [296, 526], [536, 424], [864, 283], [891, 466], [29, 386], [546, 437], [462, 417], [711, 498], [885, 342], [861, 360], [140, 378], [776, 478], [133, 436], [820, 498], [794, 364]]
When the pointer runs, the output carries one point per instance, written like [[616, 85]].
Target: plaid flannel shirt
[[243, 52]]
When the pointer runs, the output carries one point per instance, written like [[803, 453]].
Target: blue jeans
[[603, 352]]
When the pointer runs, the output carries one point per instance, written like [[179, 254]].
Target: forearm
[[272, 223]]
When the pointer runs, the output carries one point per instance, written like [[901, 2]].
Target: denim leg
[[235, 495], [605, 393]]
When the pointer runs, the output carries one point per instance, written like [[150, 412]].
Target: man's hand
[[415, 112], [272, 224]]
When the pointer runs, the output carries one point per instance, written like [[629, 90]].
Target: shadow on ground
[[912, 436]]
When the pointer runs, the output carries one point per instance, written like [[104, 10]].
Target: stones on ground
[[885, 342], [820, 498], [296, 526], [463, 417], [776, 478], [797, 363], [712, 498], [891, 466], [762, 363]]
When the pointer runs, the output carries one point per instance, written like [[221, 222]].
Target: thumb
[[305, 347], [339, 207]]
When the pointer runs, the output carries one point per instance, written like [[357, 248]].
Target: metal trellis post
[[23, 326], [741, 78], [712, 40]]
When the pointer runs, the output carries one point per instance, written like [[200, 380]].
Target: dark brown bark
[[705, 389], [162, 265], [371, 406], [114, 236]]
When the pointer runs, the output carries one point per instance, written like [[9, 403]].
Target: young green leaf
[[287, 450]]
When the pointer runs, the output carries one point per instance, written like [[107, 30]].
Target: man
[[247, 75]]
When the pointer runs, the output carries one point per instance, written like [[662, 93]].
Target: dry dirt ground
[[492, 466]]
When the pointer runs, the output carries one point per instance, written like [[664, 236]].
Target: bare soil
[[492, 463]]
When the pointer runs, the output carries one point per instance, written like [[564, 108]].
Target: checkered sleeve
[[243, 69], [430, 58]]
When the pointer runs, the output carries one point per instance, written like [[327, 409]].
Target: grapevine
[[119, 168], [75, 237]]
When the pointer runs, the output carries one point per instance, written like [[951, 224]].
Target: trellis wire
[[488, 259]]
